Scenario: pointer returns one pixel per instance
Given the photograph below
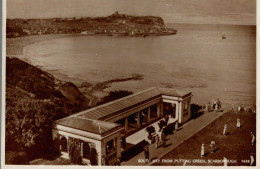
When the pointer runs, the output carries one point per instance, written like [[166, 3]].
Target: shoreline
[[93, 90], [15, 49]]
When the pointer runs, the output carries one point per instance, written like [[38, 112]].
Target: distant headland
[[113, 25]]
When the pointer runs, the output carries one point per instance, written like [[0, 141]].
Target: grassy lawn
[[235, 146]]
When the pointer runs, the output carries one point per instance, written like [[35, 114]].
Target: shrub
[[195, 108]]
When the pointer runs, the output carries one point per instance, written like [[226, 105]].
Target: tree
[[28, 124]]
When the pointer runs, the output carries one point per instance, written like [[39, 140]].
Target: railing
[[111, 158]]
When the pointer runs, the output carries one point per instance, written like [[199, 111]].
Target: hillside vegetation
[[34, 99]]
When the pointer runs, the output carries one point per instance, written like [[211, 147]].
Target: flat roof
[[89, 120], [129, 101], [89, 125]]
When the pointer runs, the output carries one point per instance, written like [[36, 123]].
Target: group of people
[[213, 143], [212, 148], [215, 106], [160, 138]]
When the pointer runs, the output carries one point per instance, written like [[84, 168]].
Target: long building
[[96, 134]]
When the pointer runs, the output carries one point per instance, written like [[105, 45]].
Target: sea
[[211, 61]]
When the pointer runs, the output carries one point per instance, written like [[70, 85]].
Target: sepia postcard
[[140, 83]]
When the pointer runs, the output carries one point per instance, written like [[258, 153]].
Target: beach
[[196, 59]]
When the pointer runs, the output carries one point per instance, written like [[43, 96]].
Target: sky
[[172, 11]]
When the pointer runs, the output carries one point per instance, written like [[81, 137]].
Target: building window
[[86, 150], [64, 144], [110, 147]]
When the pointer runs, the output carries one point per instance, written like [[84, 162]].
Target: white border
[[141, 167], [3, 83]]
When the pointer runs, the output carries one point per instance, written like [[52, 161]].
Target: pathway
[[173, 140]]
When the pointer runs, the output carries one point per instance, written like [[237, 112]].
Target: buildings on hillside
[[97, 135]]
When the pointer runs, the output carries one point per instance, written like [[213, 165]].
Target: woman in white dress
[[225, 161], [253, 138], [238, 123], [225, 129], [202, 153]]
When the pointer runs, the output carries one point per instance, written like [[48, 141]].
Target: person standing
[[208, 107], [225, 130], [219, 104], [252, 159], [212, 146], [225, 160], [238, 109], [252, 138], [166, 118], [157, 141], [214, 104], [163, 139], [202, 152], [216, 107], [146, 152], [238, 123]]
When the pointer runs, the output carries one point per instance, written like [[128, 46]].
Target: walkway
[[173, 140]]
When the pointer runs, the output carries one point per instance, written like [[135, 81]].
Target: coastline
[[93, 91], [203, 90], [15, 48]]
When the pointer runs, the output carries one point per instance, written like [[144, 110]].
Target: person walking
[[252, 138], [208, 107], [166, 118], [225, 130], [239, 109], [163, 139], [252, 159], [225, 160], [212, 146], [146, 153], [202, 152], [219, 104], [214, 104], [238, 123], [157, 141]]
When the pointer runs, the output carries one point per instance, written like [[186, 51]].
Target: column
[[158, 110], [180, 112], [126, 124], [149, 114], [177, 111], [161, 109], [138, 119]]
